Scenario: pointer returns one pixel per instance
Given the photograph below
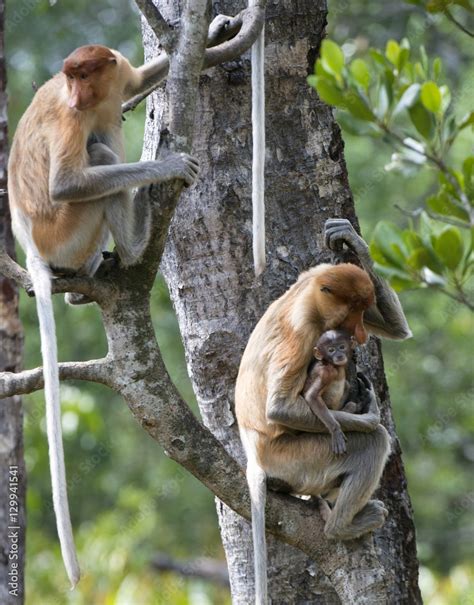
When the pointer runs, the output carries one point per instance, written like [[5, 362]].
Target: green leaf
[[468, 120], [400, 284], [382, 102], [408, 99], [332, 57], [422, 120], [356, 127], [405, 43], [419, 70], [392, 52], [468, 174], [412, 240], [357, 106], [445, 98], [437, 67], [449, 247], [320, 71], [442, 204], [424, 58], [418, 259], [431, 96], [378, 57], [360, 73], [403, 58], [377, 254], [327, 90], [388, 239]]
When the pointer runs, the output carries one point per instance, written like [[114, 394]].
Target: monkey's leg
[[89, 269], [127, 218], [353, 515], [129, 221]]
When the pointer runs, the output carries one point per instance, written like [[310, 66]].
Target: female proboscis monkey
[[282, 438], [68, 189]]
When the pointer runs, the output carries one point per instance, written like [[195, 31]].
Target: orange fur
[[51, 138], [280, 348]]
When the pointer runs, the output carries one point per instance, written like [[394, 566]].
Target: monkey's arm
[[386, 317], [147, 77], [296, 414], [320, 409], [94, 182]]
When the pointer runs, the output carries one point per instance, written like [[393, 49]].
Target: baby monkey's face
[[334, 347]]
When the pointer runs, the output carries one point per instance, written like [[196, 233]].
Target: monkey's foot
[[338, 443], [370, 518], [351, 407], [338, 231]]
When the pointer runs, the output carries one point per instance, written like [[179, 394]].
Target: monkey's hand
[[338, 231], [178, 166], [351, 407], [338, 442], [101, 155], [367, 393]]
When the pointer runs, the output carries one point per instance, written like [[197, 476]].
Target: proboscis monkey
[[282, 437], [326, 384], [69, 188]]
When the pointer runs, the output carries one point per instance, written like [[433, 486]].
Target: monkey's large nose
[[360, 333]]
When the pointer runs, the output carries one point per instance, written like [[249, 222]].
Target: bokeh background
[[129, 502]]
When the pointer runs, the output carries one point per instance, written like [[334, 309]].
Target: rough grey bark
[[12, 468], [208, 267]]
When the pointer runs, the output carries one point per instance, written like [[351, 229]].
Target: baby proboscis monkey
[[326, 385]]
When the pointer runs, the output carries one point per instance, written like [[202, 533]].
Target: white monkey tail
[[258, 153], [256, 479], [41, 278]]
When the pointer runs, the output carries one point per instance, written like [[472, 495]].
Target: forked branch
[[228, 38]]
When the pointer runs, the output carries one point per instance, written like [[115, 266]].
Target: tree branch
[[203, 568], [158, 407], [96, 288], [11, 269], [253, 19], [96, 370], [234, 36], [158, 24]]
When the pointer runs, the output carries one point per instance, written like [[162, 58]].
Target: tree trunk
[[208, 267], [12, 468]]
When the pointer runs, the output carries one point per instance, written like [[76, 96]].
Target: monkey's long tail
[[256, 479], [41, 278], [258, 153]]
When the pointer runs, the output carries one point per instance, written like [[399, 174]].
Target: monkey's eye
[[84, 76], [70, 77], [331, 350], [342, 347], [325, 289]]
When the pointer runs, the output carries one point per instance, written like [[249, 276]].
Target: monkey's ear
[[113, 60], [317, 353]]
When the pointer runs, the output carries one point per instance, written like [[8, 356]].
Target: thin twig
[[464, 203], [449, 15]]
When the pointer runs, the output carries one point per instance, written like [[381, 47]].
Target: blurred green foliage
[[397, 95], [127, 499]]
